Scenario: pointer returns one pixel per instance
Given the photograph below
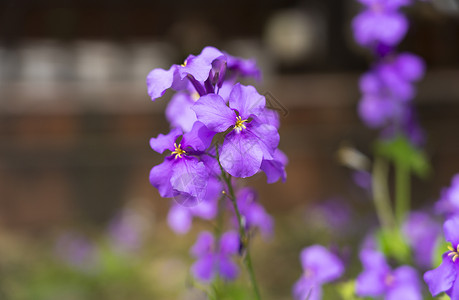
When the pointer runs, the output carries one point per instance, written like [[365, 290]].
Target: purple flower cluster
[[220, 130], [388, 88], [209, 102]]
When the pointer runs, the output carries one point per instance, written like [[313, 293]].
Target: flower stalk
[[244, 237]]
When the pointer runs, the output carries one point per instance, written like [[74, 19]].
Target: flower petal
[[275, 169], [370, 283], [442, 278], [165, 142], [241, 154], [160, 178], [228, 269], [246, 100], [324, 265], [199, 66], [268, 138], [451, 231], [189, 176], [179, 112], [229, 243], [159, 80], [203, 268], [203, 245], [199, 138], [411, 67], [179, 219], [211, 110]]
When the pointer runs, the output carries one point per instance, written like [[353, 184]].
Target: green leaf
[[392, 244], [401, 151]]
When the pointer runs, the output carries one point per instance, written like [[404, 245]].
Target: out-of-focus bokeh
[[75, 121]]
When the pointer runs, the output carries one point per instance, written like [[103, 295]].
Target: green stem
[[242, 232], [402, 191], [381, 195]]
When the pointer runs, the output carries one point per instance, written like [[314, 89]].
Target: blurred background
[[75, 122]]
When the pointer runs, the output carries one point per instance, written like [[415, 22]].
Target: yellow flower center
[[184, 64], [178, 151], [239, 124], [454, 254]]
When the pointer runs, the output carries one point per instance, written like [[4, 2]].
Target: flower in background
[[387, 90], [250, 140], [380, 23], [319, 266], [378, 280], [253, 212], [422, 233], [211, 261], [449, 199], [444, 278], [126, 230], [76, 250]]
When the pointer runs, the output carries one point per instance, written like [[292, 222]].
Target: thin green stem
[[243, 234], [381, 195], [402, 191]]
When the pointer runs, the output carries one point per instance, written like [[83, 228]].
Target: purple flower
[[253, 212], [422, 232], [180, 217], [378, 280], [182, 174], [206, 72], [195, 69], [444, 278], [213, 262], [319, 266], [250, 141], [380, 23], [449, 199]]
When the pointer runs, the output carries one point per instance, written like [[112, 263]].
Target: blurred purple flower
[[449, 199], [180, 217], [380, 23], [213, 262], [319, 266], [126, 231], [250, 141], [422, 233], [386, 93], [76, 250], [253, 212], [378, 280], [444, 278]]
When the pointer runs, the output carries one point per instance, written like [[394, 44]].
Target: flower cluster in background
[[388, 87]]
